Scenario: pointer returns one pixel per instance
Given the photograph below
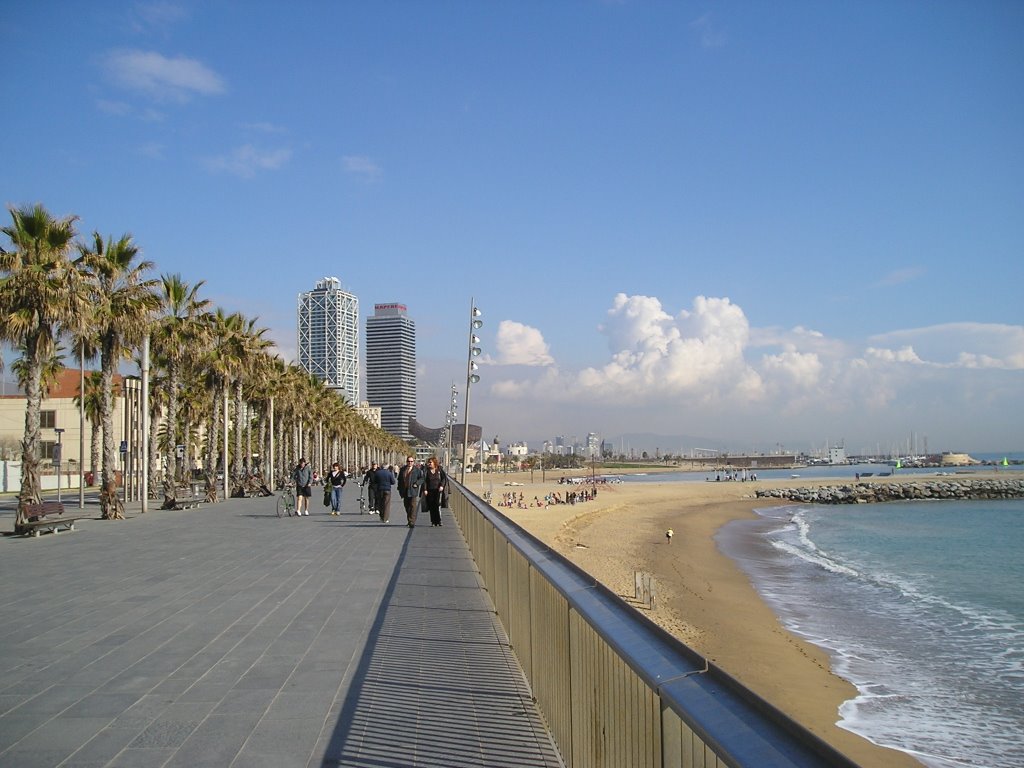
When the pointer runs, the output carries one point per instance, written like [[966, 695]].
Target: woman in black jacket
[[435, 485]]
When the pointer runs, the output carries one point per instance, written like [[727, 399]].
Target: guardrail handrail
[[720, 721]]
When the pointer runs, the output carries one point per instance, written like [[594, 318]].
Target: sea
[[919, 604]]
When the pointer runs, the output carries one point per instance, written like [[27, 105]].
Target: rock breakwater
[[870, 493]]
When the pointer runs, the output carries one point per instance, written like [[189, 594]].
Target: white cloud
[[156, 16], [705, 371], [162, 78], [362, 166], [711, 36], [264, 127], [960, 345], [519, 344], [247, 160], [900, 277]]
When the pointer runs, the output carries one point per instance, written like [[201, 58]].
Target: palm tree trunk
[[172, 420], [30, 443], [109, 502], [94, 449], [236, 460]]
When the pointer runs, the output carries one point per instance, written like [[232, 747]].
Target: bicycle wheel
[[285, 504]]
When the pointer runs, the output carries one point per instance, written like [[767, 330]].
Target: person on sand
[[302, 476]]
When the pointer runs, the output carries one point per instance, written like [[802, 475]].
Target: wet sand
[[702, 596]]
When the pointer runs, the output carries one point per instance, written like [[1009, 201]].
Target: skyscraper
[[391, 367], [328, 330]]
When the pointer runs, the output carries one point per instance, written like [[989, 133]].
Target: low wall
[[869, 493]]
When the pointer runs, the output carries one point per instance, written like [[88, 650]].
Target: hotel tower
[[328, 327]]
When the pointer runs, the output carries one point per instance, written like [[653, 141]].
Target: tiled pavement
[[225, 636]]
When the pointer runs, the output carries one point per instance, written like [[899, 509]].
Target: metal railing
[[616, 689]]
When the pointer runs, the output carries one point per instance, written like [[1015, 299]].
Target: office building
[[328, 336], [391, 367]]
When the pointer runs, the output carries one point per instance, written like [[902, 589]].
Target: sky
[[743, 225]]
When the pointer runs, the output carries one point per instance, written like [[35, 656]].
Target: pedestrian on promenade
[[382, 480], [435, 487], [336, 480], [410, 481], [302, 475], [371, 487]]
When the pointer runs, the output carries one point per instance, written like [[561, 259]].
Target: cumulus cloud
[[247, 160], [704, 370], [162, 78], [519, 344], [959, 345], [363, 167]]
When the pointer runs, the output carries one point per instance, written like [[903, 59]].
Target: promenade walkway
[[224, 636]]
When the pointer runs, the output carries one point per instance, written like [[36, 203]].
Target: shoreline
[[704, 598]]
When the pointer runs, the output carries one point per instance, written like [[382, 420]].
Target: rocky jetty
[[870, 493]]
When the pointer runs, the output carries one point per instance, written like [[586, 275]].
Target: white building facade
[[328, 336]]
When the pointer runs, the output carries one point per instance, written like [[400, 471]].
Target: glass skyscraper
[[391, 367], [328, 329]]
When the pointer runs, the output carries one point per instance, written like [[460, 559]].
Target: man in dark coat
[[410, 481]]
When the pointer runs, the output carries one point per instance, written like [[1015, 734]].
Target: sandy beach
[[702, 596]]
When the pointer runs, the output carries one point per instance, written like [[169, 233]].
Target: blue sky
[[762, 224]]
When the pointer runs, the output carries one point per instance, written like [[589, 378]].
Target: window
[[47, 419], [46, 448]]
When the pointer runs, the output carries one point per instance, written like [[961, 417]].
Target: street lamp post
[[57, 457], [475, 323], [449, 420]]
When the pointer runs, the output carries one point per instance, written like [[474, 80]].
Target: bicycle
[[286, 501]]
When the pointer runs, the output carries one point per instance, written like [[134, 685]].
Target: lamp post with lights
[[475, 323], [449, 422]]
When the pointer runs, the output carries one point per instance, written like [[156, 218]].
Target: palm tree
[[180, 331], [123, 303], [93, 406], [39, 296]]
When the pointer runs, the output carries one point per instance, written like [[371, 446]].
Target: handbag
[[327, 494]]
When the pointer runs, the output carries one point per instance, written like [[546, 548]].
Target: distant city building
[[369, 413], [837, 455], [391, 367], [593, 445], [520, 450], [328, 336], [547, 446]]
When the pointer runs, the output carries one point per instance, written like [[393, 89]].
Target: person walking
[[381, 481], [303, 478], [371, 487], [435, 486], [410, 481], [335, 480]]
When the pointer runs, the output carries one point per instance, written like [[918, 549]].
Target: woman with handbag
[[435, 485]]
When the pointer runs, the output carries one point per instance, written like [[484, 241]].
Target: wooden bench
[[185, 497], [48, 516]]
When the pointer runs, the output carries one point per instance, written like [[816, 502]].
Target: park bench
[[48, 516], [185, 497]]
